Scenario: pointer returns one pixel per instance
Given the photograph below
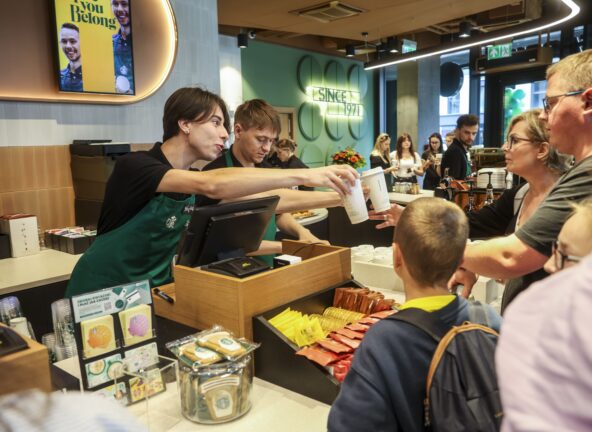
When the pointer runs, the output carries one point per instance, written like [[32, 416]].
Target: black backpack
[[461, 386]]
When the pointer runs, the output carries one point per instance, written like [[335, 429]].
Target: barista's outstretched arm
[[229, 183]]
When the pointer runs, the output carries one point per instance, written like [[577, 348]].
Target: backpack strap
[[426, 321]]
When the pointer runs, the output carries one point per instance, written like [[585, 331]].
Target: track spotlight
[[242, 40], [350, 50], [464, 29], [392, 44]]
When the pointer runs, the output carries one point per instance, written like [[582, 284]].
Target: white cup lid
[[373, 171]]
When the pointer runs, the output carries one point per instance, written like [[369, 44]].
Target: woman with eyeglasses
[[529, 155], [406, 160], [381, 157], [431, 159]]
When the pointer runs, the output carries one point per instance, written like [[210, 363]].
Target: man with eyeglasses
[[256, 128], [568, 119], [544, 354]]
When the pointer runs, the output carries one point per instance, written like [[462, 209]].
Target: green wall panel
[[276, 74], [310, 121], [309, 72]]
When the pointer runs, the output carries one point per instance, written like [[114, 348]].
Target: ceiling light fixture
[[464, 29], [392, 44], [350, 50], [483, 40], [242, 40]]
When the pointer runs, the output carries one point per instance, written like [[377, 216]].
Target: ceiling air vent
[[330, 11]]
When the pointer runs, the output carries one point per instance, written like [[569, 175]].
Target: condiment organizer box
[[276, 360], [116, 343]]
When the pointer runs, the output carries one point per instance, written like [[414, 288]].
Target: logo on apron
[[170, 222]]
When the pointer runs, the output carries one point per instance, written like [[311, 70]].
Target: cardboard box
[[204, 298], [25, 369], [22, 230]]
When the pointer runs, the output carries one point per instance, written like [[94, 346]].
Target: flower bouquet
[[350, 157]]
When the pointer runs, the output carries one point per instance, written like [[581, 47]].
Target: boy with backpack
[[385, 389]]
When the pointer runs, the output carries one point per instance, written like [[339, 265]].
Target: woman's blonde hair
[[537, 133], [376, 151]]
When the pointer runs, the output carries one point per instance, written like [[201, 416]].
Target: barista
[[143, 212], [256, 128]]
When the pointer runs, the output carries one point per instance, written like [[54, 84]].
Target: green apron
[[142, 248], [271, 228]]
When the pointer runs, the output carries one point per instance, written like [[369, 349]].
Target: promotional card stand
[[116, 343], [203, 299]]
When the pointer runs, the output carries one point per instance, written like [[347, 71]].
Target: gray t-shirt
[[542, 229]]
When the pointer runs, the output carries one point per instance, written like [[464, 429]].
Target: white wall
[[197, 63]]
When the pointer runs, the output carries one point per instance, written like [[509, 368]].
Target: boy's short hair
[[432, 234], [467, 120], [191, 103], [256, 113]]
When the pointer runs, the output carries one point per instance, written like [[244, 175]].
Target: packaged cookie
[[201, 356], [222, 342]]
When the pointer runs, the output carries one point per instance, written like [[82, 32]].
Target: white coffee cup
[[355, 204], [375, 181], [21, 326]]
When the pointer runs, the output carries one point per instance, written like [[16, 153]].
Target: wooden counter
[[25, 369], [205, 298]]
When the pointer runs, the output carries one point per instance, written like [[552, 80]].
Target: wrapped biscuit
[[221, 342], [200, 355], [224, 343]]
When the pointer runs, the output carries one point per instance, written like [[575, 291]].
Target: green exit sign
[[499, 51]]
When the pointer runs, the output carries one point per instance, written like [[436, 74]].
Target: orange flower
[[354, 159]]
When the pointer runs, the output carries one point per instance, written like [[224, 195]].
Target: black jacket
[[455, 159], [386, 385]]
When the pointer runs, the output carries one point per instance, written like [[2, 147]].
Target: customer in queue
[[381, 157], [457, 159], [143, 213], [256, 126], [406, 161], [567, 116], [529, 155], [431, 159], [386, 385], [544, 354]]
